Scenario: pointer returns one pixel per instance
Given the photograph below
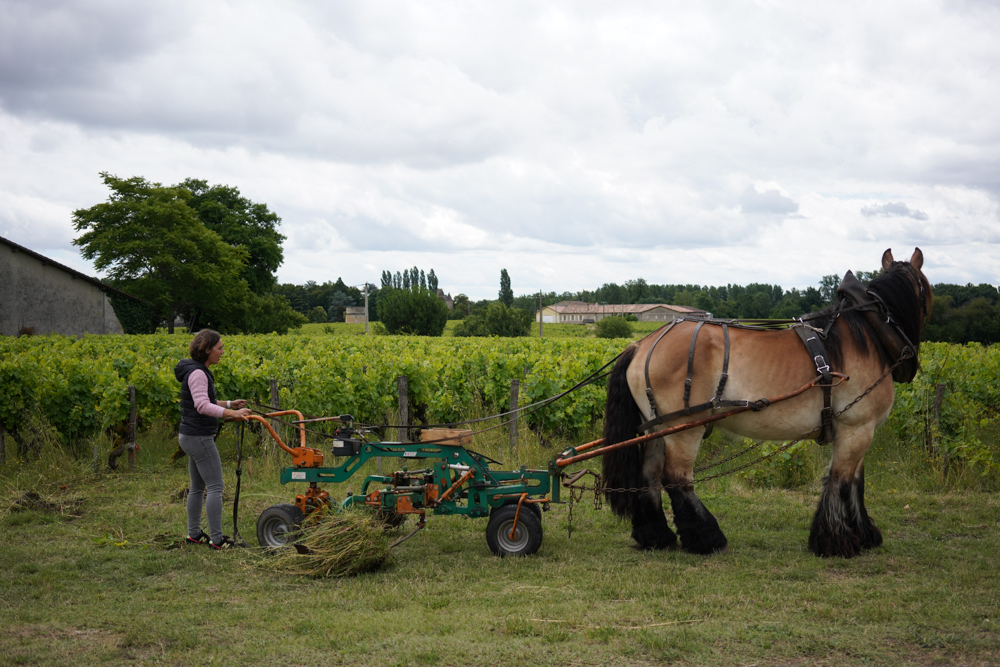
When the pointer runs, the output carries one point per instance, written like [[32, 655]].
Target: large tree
[[242, 224], [152, 243]]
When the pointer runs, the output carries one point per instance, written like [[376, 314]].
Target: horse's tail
[[622, 418]]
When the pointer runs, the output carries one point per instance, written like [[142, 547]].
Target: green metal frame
[[484, 490]]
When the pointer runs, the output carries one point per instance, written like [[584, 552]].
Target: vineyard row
[[80, 385]]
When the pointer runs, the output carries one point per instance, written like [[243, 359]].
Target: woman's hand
[[239, 403], [240, 414]]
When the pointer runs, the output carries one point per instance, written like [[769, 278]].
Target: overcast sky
[[572, 143]]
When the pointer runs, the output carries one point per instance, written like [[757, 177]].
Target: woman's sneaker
[[226, 543], [200, 538]]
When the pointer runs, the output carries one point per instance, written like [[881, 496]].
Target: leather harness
[[853, 295]]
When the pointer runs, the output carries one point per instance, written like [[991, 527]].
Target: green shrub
[[416, 312], [614, 327], [496, 320]]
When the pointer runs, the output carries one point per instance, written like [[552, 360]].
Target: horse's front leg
[[841, 526], [650, 529], [698, 529]]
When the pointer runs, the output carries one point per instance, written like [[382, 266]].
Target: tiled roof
[[579, 307], [104, 287]]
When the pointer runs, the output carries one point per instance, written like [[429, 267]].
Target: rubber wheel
[[278, 525], [527, 538], [534, 507]]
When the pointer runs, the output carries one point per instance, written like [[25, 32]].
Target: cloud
[[893, 209], [769, 202], [570, 141]]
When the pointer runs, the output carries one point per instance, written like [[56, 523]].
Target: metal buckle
[[821, 366]]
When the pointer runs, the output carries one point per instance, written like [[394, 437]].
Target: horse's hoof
[[841, 546], [705, 545], [647, 546], [871, 538]]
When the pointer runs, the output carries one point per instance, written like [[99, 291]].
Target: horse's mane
[[896, 289]]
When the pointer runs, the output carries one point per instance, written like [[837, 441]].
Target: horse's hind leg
[[867, 531], [650, 529], [841, 526], [698, 529]]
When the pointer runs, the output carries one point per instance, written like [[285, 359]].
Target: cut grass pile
[[336, 544]]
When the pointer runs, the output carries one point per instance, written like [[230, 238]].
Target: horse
[[865, 339]]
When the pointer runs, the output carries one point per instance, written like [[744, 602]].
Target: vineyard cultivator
[[442, 477]]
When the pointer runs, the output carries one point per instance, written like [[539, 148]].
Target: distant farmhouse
[[579, 312], [354, 314], [40, 296]]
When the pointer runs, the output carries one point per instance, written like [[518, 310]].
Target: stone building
[[40, 296], [580, 312], [354, 314], [448, 301]]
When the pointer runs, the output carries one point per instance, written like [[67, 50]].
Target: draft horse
[[667, 374]]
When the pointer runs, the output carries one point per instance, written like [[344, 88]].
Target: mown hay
[[337, 544]]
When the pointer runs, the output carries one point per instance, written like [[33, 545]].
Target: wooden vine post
[[515, 386], [403, 433], [275, 404], [133, 415], [936, 447]]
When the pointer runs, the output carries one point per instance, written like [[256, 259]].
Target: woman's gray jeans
[[205, 467]]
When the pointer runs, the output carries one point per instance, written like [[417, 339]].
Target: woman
[[200, 414]]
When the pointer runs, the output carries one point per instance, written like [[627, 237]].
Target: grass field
[[96, 575]]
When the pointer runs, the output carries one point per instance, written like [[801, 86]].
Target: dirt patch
[[31, 500], [26, 643]]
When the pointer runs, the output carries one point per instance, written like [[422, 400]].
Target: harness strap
[[756, 406], [817, 351], [649, 355], [725, 367], [687, 382]]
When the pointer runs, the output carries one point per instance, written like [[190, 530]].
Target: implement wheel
[[526, 539], [534, 507], [278, 525]]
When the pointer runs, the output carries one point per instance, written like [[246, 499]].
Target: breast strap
[[813, 340]]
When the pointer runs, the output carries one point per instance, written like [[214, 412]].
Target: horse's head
[[921, 286]]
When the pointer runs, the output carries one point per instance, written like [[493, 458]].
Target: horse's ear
[[887, 260], [917, 260]]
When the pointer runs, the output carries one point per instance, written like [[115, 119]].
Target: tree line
[[960, 314], [208, 255]]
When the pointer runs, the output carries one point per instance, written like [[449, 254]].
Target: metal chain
[[678, 485], [728, 458], [906, 354]]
